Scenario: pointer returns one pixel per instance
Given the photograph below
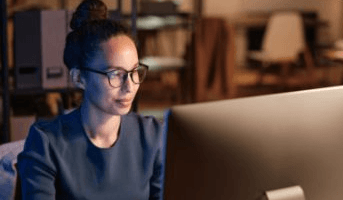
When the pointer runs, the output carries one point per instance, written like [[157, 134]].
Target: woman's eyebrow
[[109, 68], [121, 68]]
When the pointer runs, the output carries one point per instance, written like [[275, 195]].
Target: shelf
[[148, 22], [34, 91], [163, 63], [38, 91], [179, 14]]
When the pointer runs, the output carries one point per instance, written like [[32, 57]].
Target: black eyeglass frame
[[128, 73]]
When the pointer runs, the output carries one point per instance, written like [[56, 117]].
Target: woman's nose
[[128, 84]]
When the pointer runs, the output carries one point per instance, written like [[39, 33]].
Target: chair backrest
[[284, 37]]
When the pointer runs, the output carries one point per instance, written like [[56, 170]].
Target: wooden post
[[4, 56]]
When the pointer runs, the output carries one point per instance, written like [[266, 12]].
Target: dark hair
[[90, 27], [88, 10]]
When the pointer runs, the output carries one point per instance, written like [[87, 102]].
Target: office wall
[[225, 7], [265, 5]]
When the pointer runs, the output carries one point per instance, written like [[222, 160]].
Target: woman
[[100, 150]]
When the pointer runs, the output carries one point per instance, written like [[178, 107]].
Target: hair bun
[[88, 10]]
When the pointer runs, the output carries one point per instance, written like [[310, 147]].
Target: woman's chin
[[124, 112], [123, 109]]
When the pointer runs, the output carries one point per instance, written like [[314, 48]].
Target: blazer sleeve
[[35, 166]]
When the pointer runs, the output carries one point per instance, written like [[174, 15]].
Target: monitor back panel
[[238, 149]]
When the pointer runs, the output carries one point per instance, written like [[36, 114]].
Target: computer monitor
[[240, 148]]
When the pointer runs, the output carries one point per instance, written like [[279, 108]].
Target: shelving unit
[[150, 23]]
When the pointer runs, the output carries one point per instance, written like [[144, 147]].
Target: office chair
[[283, 42]]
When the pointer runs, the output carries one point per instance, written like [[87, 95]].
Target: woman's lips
[[124, 100], [123, 103]]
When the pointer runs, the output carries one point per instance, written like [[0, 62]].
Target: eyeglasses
[[117, 77]]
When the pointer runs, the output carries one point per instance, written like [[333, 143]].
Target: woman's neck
[[101, 128]]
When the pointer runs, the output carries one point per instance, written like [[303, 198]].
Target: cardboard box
[[39, 39], [20, 126]]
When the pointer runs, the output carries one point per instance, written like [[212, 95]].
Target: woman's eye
[[117, 73]]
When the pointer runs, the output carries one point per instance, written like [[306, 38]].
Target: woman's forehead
[[120, 51], [117, 44]]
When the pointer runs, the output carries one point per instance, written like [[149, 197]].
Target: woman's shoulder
[[58, 124], [148, 126], [144, 120]]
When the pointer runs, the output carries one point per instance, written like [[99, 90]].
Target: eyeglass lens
[[118, 77]]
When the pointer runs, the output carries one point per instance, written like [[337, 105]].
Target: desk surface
[[333, 54]]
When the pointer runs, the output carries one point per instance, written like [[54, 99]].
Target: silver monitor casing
[[238, 149]]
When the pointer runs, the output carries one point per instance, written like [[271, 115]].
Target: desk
[[334, 55]]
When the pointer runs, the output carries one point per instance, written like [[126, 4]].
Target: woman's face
[[118, 52]]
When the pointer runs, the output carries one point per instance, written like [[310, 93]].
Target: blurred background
[[197, 50]]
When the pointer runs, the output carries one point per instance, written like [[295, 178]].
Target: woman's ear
[[77, 79]]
